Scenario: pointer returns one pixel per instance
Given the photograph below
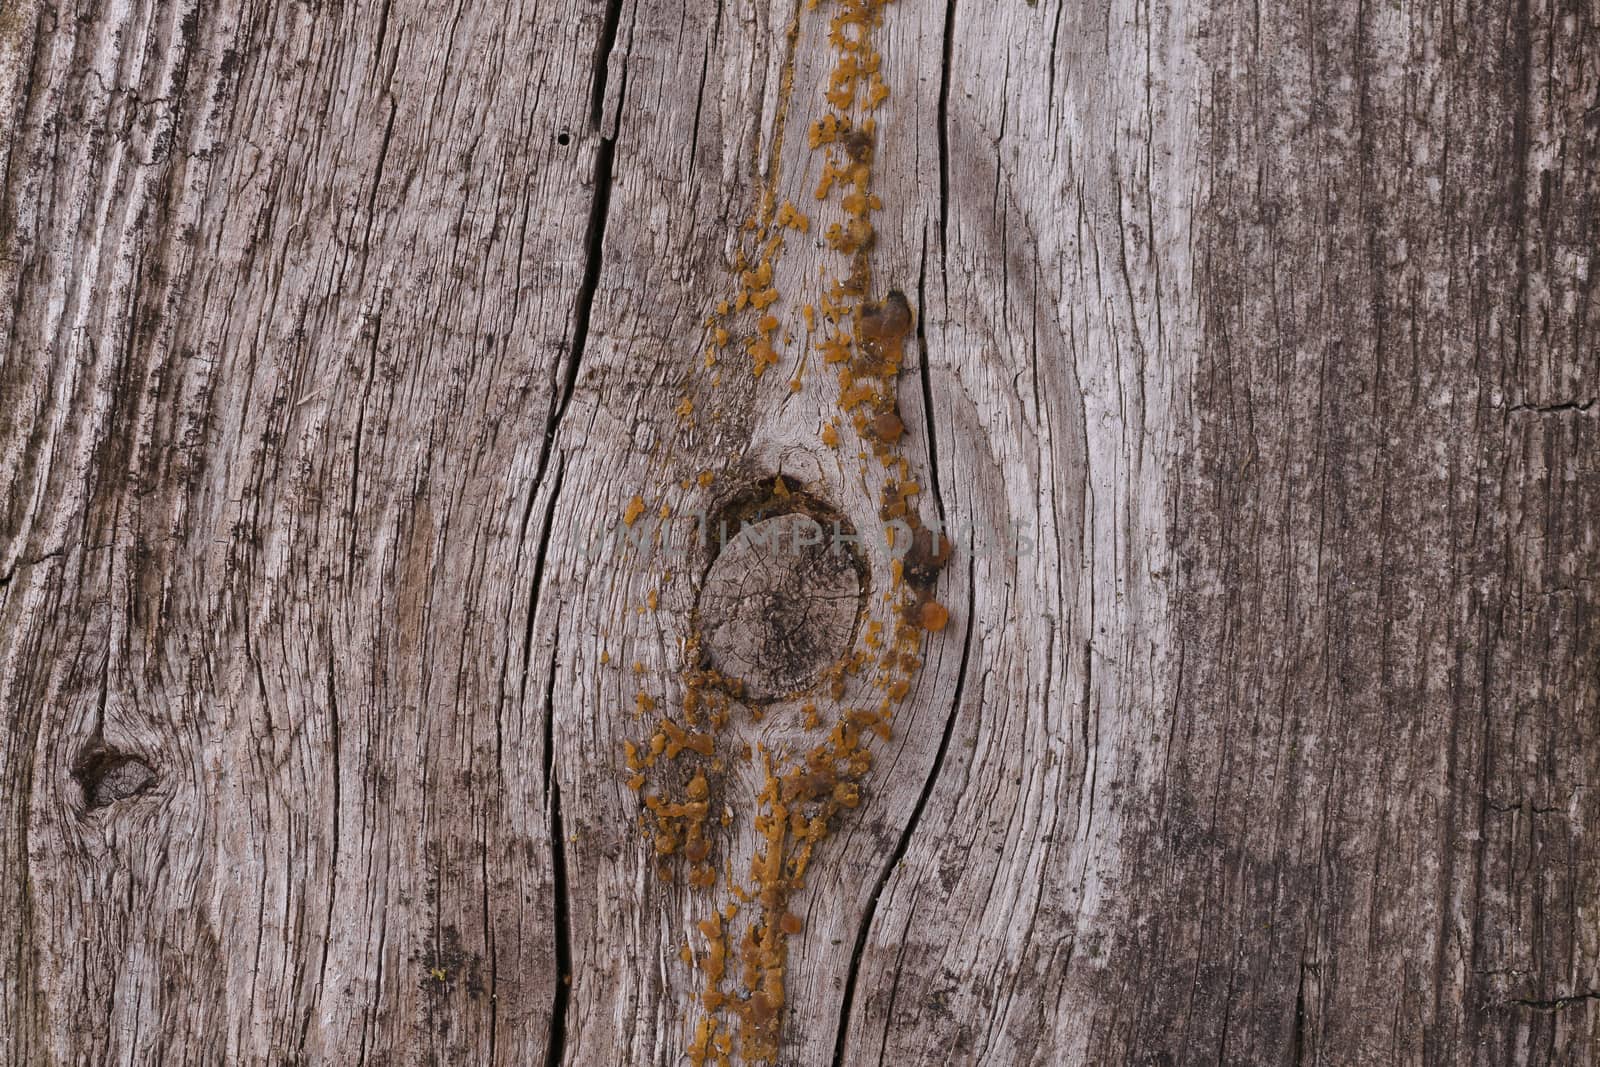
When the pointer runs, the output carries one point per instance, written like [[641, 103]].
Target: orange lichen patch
[[830, 174], [710, 1038], [705, 478], [759, 278], [835, 349], [828, 129], [896, 501], [792, 218], [859, 204], [793, 813], [855, 62], [631, 513], [679, 739], [643, 702], [744, 995], [762, 356], [853, 394], [934, 615], [887, 427], [877, 92], [833, 310], [855, 235]]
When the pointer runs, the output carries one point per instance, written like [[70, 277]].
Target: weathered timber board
[[1255, 348]]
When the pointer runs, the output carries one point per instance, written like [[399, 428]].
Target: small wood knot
[[780, 603], [107, 775]]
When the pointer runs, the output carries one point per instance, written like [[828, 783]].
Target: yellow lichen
[[678, 772]]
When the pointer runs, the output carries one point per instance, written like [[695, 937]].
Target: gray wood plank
[[292, 294], [376, 693]]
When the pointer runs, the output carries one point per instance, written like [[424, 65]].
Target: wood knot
[[780, 601], [107, 775]]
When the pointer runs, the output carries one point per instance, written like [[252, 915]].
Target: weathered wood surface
[[1255, 347]]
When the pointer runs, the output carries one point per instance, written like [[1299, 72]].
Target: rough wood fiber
[[1377, 835], [292, 292], [1061, 322], [1255, 352]]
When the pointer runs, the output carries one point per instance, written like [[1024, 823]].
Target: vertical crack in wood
[[556, 1044], [1298, 1035], [533, 599], [944, 124], [583, 305], [1524, 146], [858, 950], [336, 742], [904, 843], [383, 35], [377, 181], [555, 1048], [354, 499], [489, 943], [599, 209], [602, 61], [927, 384], [699, 106], [1522, 160], [527, 646]]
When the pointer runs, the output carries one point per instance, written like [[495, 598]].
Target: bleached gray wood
[[1255, 353], [291, 295]]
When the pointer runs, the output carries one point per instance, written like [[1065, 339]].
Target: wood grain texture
[[292, 295], [1390, 538], [1062, 322], [1254, 376]]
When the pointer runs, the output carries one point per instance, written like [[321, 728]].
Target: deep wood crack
[[899, 853]]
